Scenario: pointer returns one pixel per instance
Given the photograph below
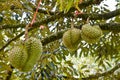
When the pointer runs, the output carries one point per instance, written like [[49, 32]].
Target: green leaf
[[61, 5], [108, 64], [84, 66], [69, 5], [97, 58], [4, 66]]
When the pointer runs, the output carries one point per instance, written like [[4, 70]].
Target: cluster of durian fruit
[[24, 55], [90, 34]]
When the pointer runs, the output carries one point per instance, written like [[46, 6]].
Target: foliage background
[[98, 61]]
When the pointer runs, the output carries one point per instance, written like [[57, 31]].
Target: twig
[[26, 31], [97, 75], [57, 16], [34, 17], [58, 35], [13, 39], [96, 16], [35, 25], [82, 5], [103, 74], [9, 73]]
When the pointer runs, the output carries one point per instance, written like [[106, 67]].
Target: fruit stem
[[72, 24], [88, 19], [26, 32]]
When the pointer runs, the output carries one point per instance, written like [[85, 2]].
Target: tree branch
[[96, 16], [34, 26], [52, 37], [13, 39], [82, 5], [85, 4], [57, 16], [106, 26], [58, 35], [96, 76], [104, 73]]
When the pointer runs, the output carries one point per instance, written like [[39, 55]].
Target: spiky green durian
[[71, 38], [34, 50], [91, 34], [18, 57]]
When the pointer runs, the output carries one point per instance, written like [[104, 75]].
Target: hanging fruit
[[24, 56], [71, 38], [91, 34], [34, 50]]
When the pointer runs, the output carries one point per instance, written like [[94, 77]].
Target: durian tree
[[59, 40]]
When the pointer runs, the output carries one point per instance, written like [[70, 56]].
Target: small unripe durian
[[71, 39], [18, 57], [91, 34], [34, 50]]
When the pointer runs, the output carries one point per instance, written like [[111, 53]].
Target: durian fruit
[[24, 55], [71, 39], [91, 34], [34, 50], [18, 56]]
